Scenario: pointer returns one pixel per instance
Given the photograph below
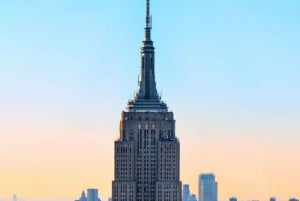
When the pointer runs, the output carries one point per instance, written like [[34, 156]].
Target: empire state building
[[147, 151]]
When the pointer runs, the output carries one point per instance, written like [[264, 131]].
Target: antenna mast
[[148, 16]]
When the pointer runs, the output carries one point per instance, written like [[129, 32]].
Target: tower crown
[[146, 98]]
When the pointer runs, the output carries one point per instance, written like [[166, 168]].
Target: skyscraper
[[192, 198], [185, 192], [147, 151], [208, 188], [92, 195]]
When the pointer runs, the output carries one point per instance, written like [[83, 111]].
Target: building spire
[[147, 98], [148, 22], [148, 16]]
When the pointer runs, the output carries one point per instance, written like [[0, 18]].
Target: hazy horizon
[[229, 70], [105, 199]]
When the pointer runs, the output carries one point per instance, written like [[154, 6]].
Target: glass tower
[[208, 188]]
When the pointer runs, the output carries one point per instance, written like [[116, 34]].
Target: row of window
[[153, 118]]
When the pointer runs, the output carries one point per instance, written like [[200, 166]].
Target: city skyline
[[229, 70]]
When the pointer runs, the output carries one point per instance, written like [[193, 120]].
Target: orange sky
[[60, 162]]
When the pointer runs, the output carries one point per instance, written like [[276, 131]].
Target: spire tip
[[148, 17]]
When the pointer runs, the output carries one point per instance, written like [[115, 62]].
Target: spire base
[[147, 98], [147, 105]]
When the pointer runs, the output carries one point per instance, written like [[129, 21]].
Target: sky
[[229, 70]]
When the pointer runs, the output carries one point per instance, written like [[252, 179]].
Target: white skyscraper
[[208, 188]]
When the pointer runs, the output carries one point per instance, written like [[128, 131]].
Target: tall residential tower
[[147, 151]]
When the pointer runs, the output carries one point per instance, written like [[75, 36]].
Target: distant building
[[15, 197], [185, 192], [272, 199], [293, 199], [82, 197], [208, 188], [192, 197], [234, 199], [92, 195], [186, 196]]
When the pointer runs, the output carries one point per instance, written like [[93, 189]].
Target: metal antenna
[[148, 17]]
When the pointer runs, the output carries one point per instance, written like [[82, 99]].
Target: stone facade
[[147, 158]]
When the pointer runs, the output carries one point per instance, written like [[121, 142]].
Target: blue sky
[[242, 50], [232, 65]]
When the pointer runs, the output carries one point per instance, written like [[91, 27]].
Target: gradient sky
[[229, 70]]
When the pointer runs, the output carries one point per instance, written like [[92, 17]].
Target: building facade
[[92, 195], [147, 151], [192, 198], [208, 188], [185, 192]]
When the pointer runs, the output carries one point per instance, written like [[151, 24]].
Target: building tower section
[[147, 152]]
